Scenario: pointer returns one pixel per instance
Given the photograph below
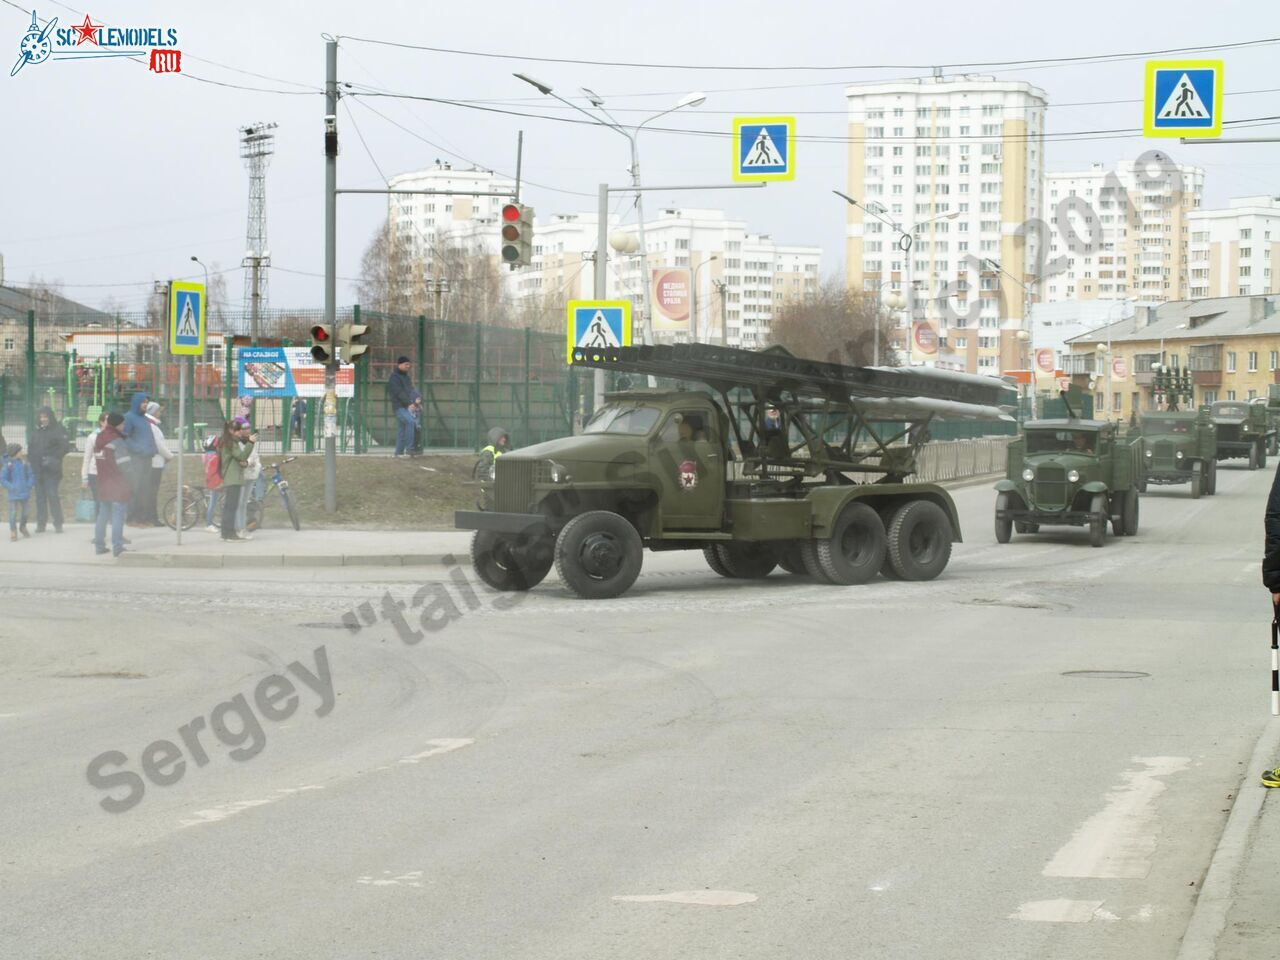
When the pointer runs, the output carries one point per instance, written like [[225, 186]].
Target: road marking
[[701, 898], [1061, 911], [1117, 841], [410, 879], [439, 746], [214, 814]]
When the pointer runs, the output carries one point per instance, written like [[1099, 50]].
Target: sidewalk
[[274, 547]]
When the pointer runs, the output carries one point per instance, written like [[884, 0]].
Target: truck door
[[687, 457]]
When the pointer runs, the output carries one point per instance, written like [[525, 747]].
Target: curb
[[219, 561], [1209, 917]]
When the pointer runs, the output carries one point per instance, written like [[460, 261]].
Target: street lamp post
[[688, 100], [693, 297], [894, 302], [722, 288]]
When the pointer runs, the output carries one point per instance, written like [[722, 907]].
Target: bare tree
[[391, 276], [836, 324]]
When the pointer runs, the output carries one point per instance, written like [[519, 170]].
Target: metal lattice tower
[[257, 144]]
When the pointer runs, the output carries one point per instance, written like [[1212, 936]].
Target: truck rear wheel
[[791, 560], [1272, 444], [1262, 455], [812, 565], [1197, 479], [1211, 478], [1098, 520], [856, 548], [919, 540], [1253, 457], [711, 553], [1004, 528], [1119, 504], [748, 561], [598, 555], [1131, 513], [507, 562]]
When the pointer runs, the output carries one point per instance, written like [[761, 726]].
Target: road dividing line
[[214, 814], [1117, 842], [1060, 911], [700, 898], [438, 747]]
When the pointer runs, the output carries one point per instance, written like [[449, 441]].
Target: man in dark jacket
[[1271, 577], [142, 447], [46, 450], [114, 465], [406, 402]]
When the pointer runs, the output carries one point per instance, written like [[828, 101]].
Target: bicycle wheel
[[293, 511], [193, 509]]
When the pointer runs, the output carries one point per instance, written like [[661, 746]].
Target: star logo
[[87, 31]]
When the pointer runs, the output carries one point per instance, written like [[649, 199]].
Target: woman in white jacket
[[158, 463]]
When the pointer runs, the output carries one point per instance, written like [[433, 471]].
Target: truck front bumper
[[1164, 478], [1069, 518], [526, 524]]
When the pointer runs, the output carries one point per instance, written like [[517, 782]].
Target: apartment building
[[422, 221], [1120, 232], [1231, 253], [1231, 345], [957, 165]]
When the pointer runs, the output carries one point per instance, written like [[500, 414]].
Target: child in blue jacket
[[18, 479]]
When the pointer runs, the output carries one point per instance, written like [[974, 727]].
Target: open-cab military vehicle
[[785, 461]]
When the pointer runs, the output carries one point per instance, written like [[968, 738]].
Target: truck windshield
[[1153, 427], [632, 419], [1060, 441], [1230, 411]]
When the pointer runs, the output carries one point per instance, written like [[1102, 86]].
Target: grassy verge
[[374, 493]]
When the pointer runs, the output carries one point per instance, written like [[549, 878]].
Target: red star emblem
[[88, 31]]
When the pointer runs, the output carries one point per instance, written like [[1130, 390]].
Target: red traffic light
[[511, 212], [320, 333]]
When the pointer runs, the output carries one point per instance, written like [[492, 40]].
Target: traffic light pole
[[331, 272]]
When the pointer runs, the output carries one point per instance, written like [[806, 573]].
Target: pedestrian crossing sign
[[597, 325], [1183, 98], [186, 318], [764, 149]]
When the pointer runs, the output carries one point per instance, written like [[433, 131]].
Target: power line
[[1093, 58]]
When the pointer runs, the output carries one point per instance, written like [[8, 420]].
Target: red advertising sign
[[1044, 361], [670, 298], [1119, 369], [925, 337]]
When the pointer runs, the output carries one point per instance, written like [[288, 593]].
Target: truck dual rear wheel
[[598, 555], [856, 548], [711, 553], [510, 562], [791, 559], [1098, 520], [919, 540], [748, 561]]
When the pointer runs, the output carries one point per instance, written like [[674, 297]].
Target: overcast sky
[[114, 175]]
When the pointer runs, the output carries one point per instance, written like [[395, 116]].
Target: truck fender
[[1006, 486], [1095, 486]]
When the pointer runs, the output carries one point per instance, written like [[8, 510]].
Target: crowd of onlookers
[[120, 473]]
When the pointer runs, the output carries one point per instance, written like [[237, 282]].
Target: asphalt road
[[892, 771]]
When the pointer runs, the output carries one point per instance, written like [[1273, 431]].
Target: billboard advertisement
[[287, 372], [924, 338], [669, 294]]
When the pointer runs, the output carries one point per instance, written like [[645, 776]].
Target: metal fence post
[[31, 376], [476, 414], [230, 345], [528, 415]]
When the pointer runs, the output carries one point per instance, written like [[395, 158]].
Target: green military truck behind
[[1245, 431], [1070, 472], [785, 462], [1180, 446]]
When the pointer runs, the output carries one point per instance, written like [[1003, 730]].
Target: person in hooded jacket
[[142, 448], [111, 452], [18, 480], [499, 443], [46, 451]]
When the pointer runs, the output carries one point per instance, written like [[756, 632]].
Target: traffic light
[[517, 235], [349, 335], [322, 343]]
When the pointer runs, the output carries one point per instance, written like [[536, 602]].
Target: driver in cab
[[1081, 443]]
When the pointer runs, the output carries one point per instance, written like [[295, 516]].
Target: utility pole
[[722, 287], [330, 409]]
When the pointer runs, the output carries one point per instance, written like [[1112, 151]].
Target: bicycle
[[255, 508], [195, 507]]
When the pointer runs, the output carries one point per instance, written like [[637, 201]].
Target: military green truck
[[1180, 446], [1245, 431], [1273, 415], [784, 461], [1081, 473]]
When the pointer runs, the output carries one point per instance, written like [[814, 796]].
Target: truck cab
[[1244, 431]]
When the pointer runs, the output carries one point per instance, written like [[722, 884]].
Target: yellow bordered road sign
[[598, 325], [764, 149], [1183, 98], [187, 302]]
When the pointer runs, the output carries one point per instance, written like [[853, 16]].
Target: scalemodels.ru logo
[[90, 41]]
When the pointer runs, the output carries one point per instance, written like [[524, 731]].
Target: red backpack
[[213, 468]]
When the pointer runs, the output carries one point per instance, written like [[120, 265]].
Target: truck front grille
[[513, 488], [1051, 487], [1229, 432]]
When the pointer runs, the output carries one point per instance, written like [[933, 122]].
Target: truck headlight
[[558, 473], [1150, 453], [1178, 455], [1073, 476], [1028, 474]]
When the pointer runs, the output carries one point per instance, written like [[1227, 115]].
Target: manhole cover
[[1106, 674]]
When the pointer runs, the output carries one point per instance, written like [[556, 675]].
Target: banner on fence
[[288, 372]]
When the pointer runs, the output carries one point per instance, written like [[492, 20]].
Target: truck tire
[[1098, 521], [748, 561], [1262, 455], [1004, 528], [790, 559], [1118, 507], [1140, 483], [1211, 478], [812, 565], [1272, 444], [856, 549], [1197, 479], [1253, 457], [598, 555], [1131, 513], [919, 540], [711, 553], [507, 562]]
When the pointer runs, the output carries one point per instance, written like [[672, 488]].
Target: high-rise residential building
[[1120, 232], [423, 221], [1231, 251], [738, 276], [956, 164]]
